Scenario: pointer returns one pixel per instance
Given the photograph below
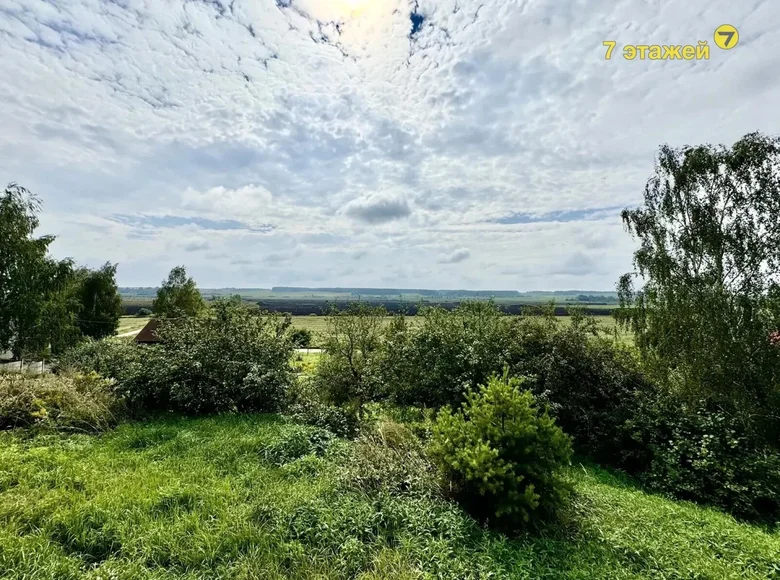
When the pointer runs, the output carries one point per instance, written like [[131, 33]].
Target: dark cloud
[[378, 209], [197, 246], [455, 257]]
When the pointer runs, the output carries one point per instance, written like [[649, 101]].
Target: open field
[[130, 323], [303, 301], [195, 498], [317, 325]]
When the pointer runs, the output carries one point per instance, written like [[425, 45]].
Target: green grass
[[131, 323], [306, 362], [195, 499]]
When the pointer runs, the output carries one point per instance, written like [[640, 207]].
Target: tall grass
[[70, 402], [210, 498]]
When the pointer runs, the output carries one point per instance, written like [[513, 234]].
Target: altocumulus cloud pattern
[[431, 143]]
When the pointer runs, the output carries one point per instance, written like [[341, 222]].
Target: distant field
[[131, 323], [317, 325], [305, 301]]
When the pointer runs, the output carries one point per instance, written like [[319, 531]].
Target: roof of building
[[148, 334]]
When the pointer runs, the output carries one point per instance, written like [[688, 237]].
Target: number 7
[[611, 44]]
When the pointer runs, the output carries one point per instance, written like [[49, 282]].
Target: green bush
[[67, 402], [348, 371], [231, 360], [143, 312], [305, 405], [700, 453], [591, 386], [502, 455], [436, 361], [301, 337], [135, 370]]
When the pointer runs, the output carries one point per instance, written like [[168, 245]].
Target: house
[[148, 334]]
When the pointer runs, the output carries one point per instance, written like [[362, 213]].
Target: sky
[[483, 144]]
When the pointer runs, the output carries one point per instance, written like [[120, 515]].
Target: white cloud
[[268, 142]]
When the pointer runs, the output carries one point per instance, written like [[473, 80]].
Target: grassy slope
[[192, 498], [128, 323]]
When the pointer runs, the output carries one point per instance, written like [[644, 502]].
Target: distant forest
[[301, 301]]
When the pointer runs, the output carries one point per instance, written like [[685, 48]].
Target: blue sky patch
[[169, 221], [556, 216]]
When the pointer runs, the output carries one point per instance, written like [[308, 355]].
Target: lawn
[[199, 498], [131, 323], [306, 362]]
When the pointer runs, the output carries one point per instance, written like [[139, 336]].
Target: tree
[[178, 296], [348, 372], [301, 337], [710, 257], [37, 309], [100, 303], [503, 455]]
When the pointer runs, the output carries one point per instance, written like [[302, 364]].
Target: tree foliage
[[178, 296], [231, 359], [503, 455], [710, 258], [436, 361], [100, 303], [37, 304], [348, 372]]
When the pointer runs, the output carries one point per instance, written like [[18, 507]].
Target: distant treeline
[[319, 307], [306, 307], [397, 291], [411, 294]]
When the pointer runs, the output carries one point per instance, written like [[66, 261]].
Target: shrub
[[306, 406], [68, 402], [348, 371], [143, 312], [232, 360], [449, 352], [502, 455], [592, 386], [135, 370], [700, 453], [301, 337]]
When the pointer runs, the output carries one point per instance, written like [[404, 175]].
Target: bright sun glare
[[353, 5]]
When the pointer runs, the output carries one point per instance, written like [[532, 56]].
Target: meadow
[[176, 497], [131, 323]]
